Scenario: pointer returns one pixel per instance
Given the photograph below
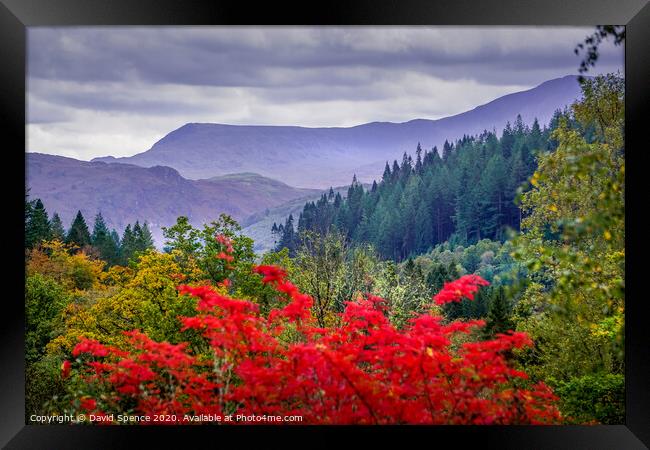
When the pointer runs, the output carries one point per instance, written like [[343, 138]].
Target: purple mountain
[[323, 157], [124, 193]]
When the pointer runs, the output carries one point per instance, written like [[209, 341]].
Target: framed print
[[357, 222]]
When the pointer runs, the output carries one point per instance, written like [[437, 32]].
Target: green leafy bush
[[599, 397]]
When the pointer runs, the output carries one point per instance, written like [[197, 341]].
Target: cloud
[[115, 90]]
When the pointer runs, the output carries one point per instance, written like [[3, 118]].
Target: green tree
[[37, 225], [288, 238], [56, 228], [243, 254], [573, 243], [196, 252], [591, 397], [102, 240], [142, 238], [44, 302], [498, 317], [146, 238], [320, 261], [78, 233], [127, 245], [100, 230]]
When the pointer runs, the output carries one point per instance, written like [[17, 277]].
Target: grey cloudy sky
[[96, 91]]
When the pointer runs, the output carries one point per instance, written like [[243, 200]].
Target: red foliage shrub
[[364, 372], [464, 287]]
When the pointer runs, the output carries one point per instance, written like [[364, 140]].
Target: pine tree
[[406, 168], [418, 160], [274, 229], [338, 200], [104, 242], [354, 210], [78, 233], [387, 175], [465, 192], [38, 225], [115, 238], [137, 232], [437, 277], [395, 172], [520, 128], [498, 319], [507, 141], [141, 237], [492, 189], [100, 231], [115, 242], [127, 245], [56, 228], [146, 238], [423, 228], [536, 136], [518, 174], [28, 213], [288, 238], [447, 148]]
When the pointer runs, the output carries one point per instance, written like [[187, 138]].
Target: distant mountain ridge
[[323, 157], [125, 193]]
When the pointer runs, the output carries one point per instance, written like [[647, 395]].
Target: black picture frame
[[16, 15]]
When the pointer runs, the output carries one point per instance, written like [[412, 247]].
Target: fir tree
[[498, 318], [38, 225], [56, 228], [100, 231], [127, 245], [28, 212], [386, 176], [116, 238], [418, 160], [78, 233], [507, 141], [338, 200], [104, 242], [467, 194], [288, 237], [395, 174], [446, 151], [145, 239]]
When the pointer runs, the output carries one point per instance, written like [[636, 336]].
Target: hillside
[[125, 193], [323, 157], [464, 196], [258, 225]]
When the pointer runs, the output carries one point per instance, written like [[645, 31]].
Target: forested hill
[[329, 156], [125, 193], [463, 192]]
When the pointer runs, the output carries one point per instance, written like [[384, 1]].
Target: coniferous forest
[[482, 282], [460, 194]]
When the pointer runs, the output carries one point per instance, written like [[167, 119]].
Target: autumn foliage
[[464, 287], [363, 372]]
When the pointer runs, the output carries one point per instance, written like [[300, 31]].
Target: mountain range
[[201, 170], [124, 193], [323, 157]]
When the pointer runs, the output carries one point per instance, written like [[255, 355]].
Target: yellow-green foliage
[[573, 243], [144, 298], [44, 301], [74, 271]]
